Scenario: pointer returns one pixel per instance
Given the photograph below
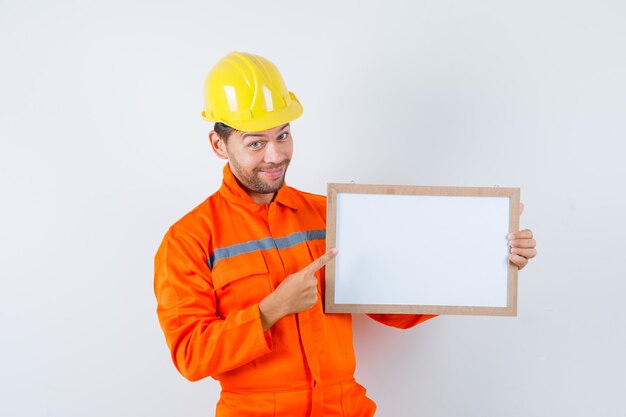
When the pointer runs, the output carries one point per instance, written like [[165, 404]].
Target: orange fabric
[[342, 399], [210, 315]]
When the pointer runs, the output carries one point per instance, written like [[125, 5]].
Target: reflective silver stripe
[[265, 244], [299, 237]]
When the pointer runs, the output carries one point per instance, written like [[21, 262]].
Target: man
[[238, 279]]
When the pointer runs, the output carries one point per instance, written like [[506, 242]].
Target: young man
[[238, 279]]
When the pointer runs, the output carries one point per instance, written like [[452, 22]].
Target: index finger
[[317, 264]]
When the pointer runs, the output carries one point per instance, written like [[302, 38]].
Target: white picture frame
[[421, 250]]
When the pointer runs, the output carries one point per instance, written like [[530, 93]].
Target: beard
[[252, 180]]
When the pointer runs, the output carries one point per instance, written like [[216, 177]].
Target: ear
[[218, 145]]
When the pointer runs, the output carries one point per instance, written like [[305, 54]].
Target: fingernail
[[511, 236]]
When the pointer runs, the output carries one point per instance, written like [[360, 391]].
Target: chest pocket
[[240, 281], [316, 248]]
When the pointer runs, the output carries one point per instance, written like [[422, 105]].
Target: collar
[[232, 191]]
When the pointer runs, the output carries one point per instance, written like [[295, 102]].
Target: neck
[[261, 198]]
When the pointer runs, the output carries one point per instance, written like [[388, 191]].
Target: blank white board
[[424, 250]]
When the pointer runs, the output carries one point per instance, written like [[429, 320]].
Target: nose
[[272, 153]]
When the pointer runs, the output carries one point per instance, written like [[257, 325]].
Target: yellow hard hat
[[247, 92]]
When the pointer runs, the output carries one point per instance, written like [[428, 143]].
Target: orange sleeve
[[201, 343], [401, 321]]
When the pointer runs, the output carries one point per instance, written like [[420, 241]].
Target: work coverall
[[213, 268]]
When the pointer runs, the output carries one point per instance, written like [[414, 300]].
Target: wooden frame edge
[[513, 193]]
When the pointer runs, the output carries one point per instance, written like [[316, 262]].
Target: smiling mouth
[[273, 172]]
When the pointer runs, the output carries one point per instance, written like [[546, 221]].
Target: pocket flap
[[231, 269]]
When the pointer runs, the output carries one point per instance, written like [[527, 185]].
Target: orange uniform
[[213, 268]]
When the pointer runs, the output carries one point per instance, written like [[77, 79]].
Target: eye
[[255, 145], [283, 136]]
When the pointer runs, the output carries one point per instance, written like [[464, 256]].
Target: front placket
[[305, 319]]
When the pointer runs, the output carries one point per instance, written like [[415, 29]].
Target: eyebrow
[[251, 135]]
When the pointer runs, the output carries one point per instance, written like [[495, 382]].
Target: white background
[[103, 147]]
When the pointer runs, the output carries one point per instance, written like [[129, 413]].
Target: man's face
[[259, 160]]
